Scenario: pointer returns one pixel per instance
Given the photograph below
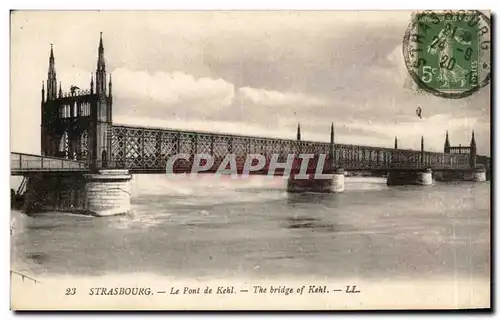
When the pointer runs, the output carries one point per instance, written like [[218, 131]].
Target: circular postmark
[[447, 53]]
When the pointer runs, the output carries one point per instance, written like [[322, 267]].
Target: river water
[[251, 227]]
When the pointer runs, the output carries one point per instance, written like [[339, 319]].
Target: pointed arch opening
[[64, 145], [104, 159], [84, 145]]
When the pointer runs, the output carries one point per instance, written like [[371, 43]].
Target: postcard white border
[[185, 5]]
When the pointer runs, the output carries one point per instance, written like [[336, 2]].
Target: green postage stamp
[[447, 53]]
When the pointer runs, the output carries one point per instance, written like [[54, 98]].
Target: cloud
[[392, 69], [277, 99], [172, 89]]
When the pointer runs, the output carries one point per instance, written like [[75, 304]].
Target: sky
[[252, 73]]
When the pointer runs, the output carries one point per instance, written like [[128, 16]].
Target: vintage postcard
[[250, 160]]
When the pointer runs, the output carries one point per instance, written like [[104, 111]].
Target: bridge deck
[[148, 150], [22, 163]]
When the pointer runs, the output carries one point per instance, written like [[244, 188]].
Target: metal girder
[[149, 149]]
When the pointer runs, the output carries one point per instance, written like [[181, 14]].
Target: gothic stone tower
[[77, 124], [471, 150], [102, 119]]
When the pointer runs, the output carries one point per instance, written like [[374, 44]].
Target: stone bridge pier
[[422, 177], [104, 193], [476, 175], [335, 183], [479, 175]]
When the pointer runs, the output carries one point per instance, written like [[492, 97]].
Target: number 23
[[70, 291]]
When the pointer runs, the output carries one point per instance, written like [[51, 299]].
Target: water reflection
[[294, 199], [312, 224]]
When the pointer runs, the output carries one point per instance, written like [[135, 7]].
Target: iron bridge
[[148, 149]]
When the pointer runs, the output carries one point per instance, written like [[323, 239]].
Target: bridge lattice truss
[[148, 149]]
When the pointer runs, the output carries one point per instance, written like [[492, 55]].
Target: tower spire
[[100, 76], [100, 41], [473, 151], [52, 78], [446, 143], [395, 142], [298, 132], [43, 91], [110, 86], [60, 89], [331, 148], [101, 64], [332, 134], [473, 140], [422, 154], [91, 83]]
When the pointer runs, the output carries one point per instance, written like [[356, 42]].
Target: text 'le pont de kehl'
[[258, 289]]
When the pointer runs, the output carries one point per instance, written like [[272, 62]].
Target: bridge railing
[[435, 160], [361, 157], [31, 162]]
